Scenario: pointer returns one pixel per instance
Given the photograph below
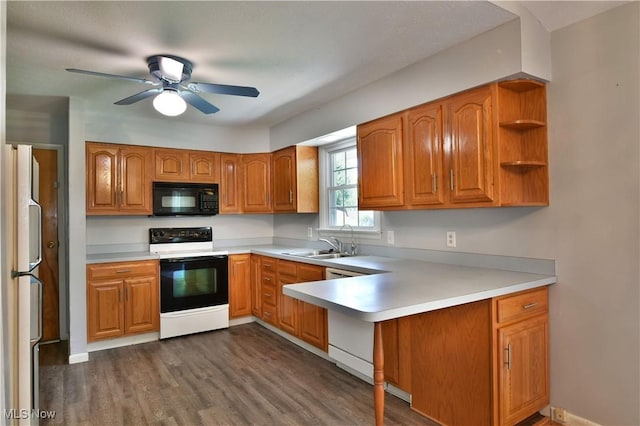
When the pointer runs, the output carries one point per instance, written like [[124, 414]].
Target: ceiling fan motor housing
[[156, 70]]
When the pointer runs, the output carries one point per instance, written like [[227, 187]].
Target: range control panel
[[180, 235]]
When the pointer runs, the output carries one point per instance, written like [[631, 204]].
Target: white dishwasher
[[350, 339]]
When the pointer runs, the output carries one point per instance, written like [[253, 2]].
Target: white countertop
[[395, 288], [411, 287]]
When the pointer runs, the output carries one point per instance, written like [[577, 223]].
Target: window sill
[[370, 235]]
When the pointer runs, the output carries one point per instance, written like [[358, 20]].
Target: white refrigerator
[[24, 249]]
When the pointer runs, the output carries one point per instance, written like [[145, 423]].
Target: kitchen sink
[[317, 254]]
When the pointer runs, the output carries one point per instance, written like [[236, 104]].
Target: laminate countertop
[[402, 287], [393, 288]]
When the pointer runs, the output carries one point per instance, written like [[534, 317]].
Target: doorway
[[50, 268]]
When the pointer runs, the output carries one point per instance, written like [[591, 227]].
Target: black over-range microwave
[[185, 199]]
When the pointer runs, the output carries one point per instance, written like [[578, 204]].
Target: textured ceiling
[[298, 54]]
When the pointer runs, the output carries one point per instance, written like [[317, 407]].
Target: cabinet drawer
[[269, 295], [268, 280], [268, 264], [101, 271], [270, 314], [522, 305], [288, 268]]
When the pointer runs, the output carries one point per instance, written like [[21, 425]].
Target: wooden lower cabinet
[[240, 285], [122, 299], [481, 363], [303, 320], [396, 342]]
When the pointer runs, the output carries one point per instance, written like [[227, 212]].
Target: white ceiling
[[298, 54]]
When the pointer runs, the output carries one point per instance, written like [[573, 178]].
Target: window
[[340, 190]]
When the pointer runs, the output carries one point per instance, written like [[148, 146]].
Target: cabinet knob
[[51, 244]]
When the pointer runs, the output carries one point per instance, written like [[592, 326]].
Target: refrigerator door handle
[[34, 341], [33, 265]]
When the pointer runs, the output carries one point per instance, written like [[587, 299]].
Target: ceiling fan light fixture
[[169, 103]]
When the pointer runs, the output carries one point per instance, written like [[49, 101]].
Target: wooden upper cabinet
[[472, 168], [118, 179], [179, 165], [256, 172], [171, 165], [230, 183], [425, 183], [204, 166], [295, 180], [380, 163]]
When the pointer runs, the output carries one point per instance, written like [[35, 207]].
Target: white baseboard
[[78, 358], [570, 419]]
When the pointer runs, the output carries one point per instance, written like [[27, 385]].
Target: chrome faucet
[[334, 243]]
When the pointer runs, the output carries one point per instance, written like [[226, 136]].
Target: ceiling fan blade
[[198, 102], [139, 96], [224, 89], [102, 74]]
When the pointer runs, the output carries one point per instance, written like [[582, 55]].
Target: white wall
[[592, 225]]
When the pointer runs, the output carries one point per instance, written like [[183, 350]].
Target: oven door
[[195, 282]]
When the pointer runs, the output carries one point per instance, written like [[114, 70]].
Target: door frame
[[63, 223]]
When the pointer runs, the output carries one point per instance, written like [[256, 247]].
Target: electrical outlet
[[558, 414], [391, 239], [309, 232], [451, 239]]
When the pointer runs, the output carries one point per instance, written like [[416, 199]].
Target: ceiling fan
[[171, 89]]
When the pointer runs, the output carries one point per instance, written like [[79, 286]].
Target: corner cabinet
[[484, 147], [295, 180], [122, 299], [118, 179]]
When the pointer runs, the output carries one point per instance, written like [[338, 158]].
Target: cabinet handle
[[290, 197], [266, 279], [267, 314], [435, 183], [508, 363], [529, 305], [123, 271], [267, 294], [451, 178]]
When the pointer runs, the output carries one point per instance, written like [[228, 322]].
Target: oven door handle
[[194, 259]]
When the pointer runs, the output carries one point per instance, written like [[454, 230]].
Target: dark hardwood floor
[[245, 375]]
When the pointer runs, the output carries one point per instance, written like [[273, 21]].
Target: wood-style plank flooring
[[245, 375]]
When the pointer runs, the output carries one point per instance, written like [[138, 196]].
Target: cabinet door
[[239, 285], [141, 311], [312, 319], [102, 178], [284, 180], [105, 315], [135, 180], [204, 166], [256, 287], [287, 307], [380, 163], [256, 172], [471, 150], [230, 183], [425, 183], [171, 165], [524, 369]]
